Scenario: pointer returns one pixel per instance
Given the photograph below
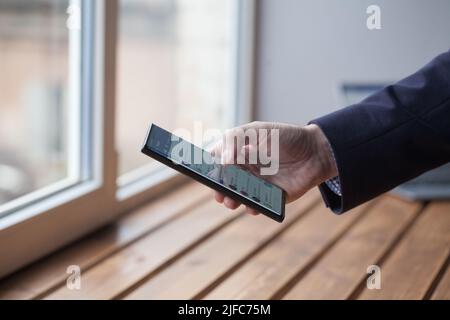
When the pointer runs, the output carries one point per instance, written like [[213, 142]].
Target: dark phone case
[[211, 184]]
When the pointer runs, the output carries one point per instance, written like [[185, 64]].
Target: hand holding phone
[[305, 158], [231, 180]]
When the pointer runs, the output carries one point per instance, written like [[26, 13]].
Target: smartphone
[[231, 180]]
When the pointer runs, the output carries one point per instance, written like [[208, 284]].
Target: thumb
[[220, 153], [250, 154]]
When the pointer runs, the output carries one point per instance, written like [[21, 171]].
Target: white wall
[[306, 48]]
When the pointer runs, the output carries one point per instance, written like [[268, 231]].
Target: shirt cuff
[[334, 185]]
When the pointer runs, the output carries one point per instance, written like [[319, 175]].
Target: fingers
[[215, 149], [222, 152], [251, 211], [237, 146], [219, 197], [232, 204], [232, 146], [227, 201]]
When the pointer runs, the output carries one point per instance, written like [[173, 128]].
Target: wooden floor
[[185, 246]]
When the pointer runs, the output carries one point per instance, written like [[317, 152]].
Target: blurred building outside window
[[38, 72], [175, 67]]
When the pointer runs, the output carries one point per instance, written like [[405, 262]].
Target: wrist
[[323, 154]]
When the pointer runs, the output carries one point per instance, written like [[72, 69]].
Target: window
[[62, 119], [39, 110], [176, 61]]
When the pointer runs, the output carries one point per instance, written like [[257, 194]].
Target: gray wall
[[306, 48]]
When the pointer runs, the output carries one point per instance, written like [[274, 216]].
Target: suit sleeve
[[391, 137]]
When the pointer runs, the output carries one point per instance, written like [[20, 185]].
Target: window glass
[[175, 64], [36, 114]]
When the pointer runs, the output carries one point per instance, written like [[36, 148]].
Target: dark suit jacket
[[391, 137]]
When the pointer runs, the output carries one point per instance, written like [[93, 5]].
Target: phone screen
[[239, 182]]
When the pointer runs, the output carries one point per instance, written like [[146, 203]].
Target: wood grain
[[414, 263], [442, 291], [184, 245], [213, 259], [340, 271], [40, 277], [276, 265], [111, 276]]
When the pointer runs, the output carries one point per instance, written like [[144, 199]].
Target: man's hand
[[305, 159]]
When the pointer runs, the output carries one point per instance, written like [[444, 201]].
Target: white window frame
[[57, 215]]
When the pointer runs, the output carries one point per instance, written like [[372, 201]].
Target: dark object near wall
[[432, 185]]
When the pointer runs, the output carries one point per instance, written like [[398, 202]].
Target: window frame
[[61, 217]]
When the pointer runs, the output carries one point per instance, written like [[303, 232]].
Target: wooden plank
[[50, 272], [271, 269], [343, 268], [121, 270], [413, 265], [217, 256], [442, 291]]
